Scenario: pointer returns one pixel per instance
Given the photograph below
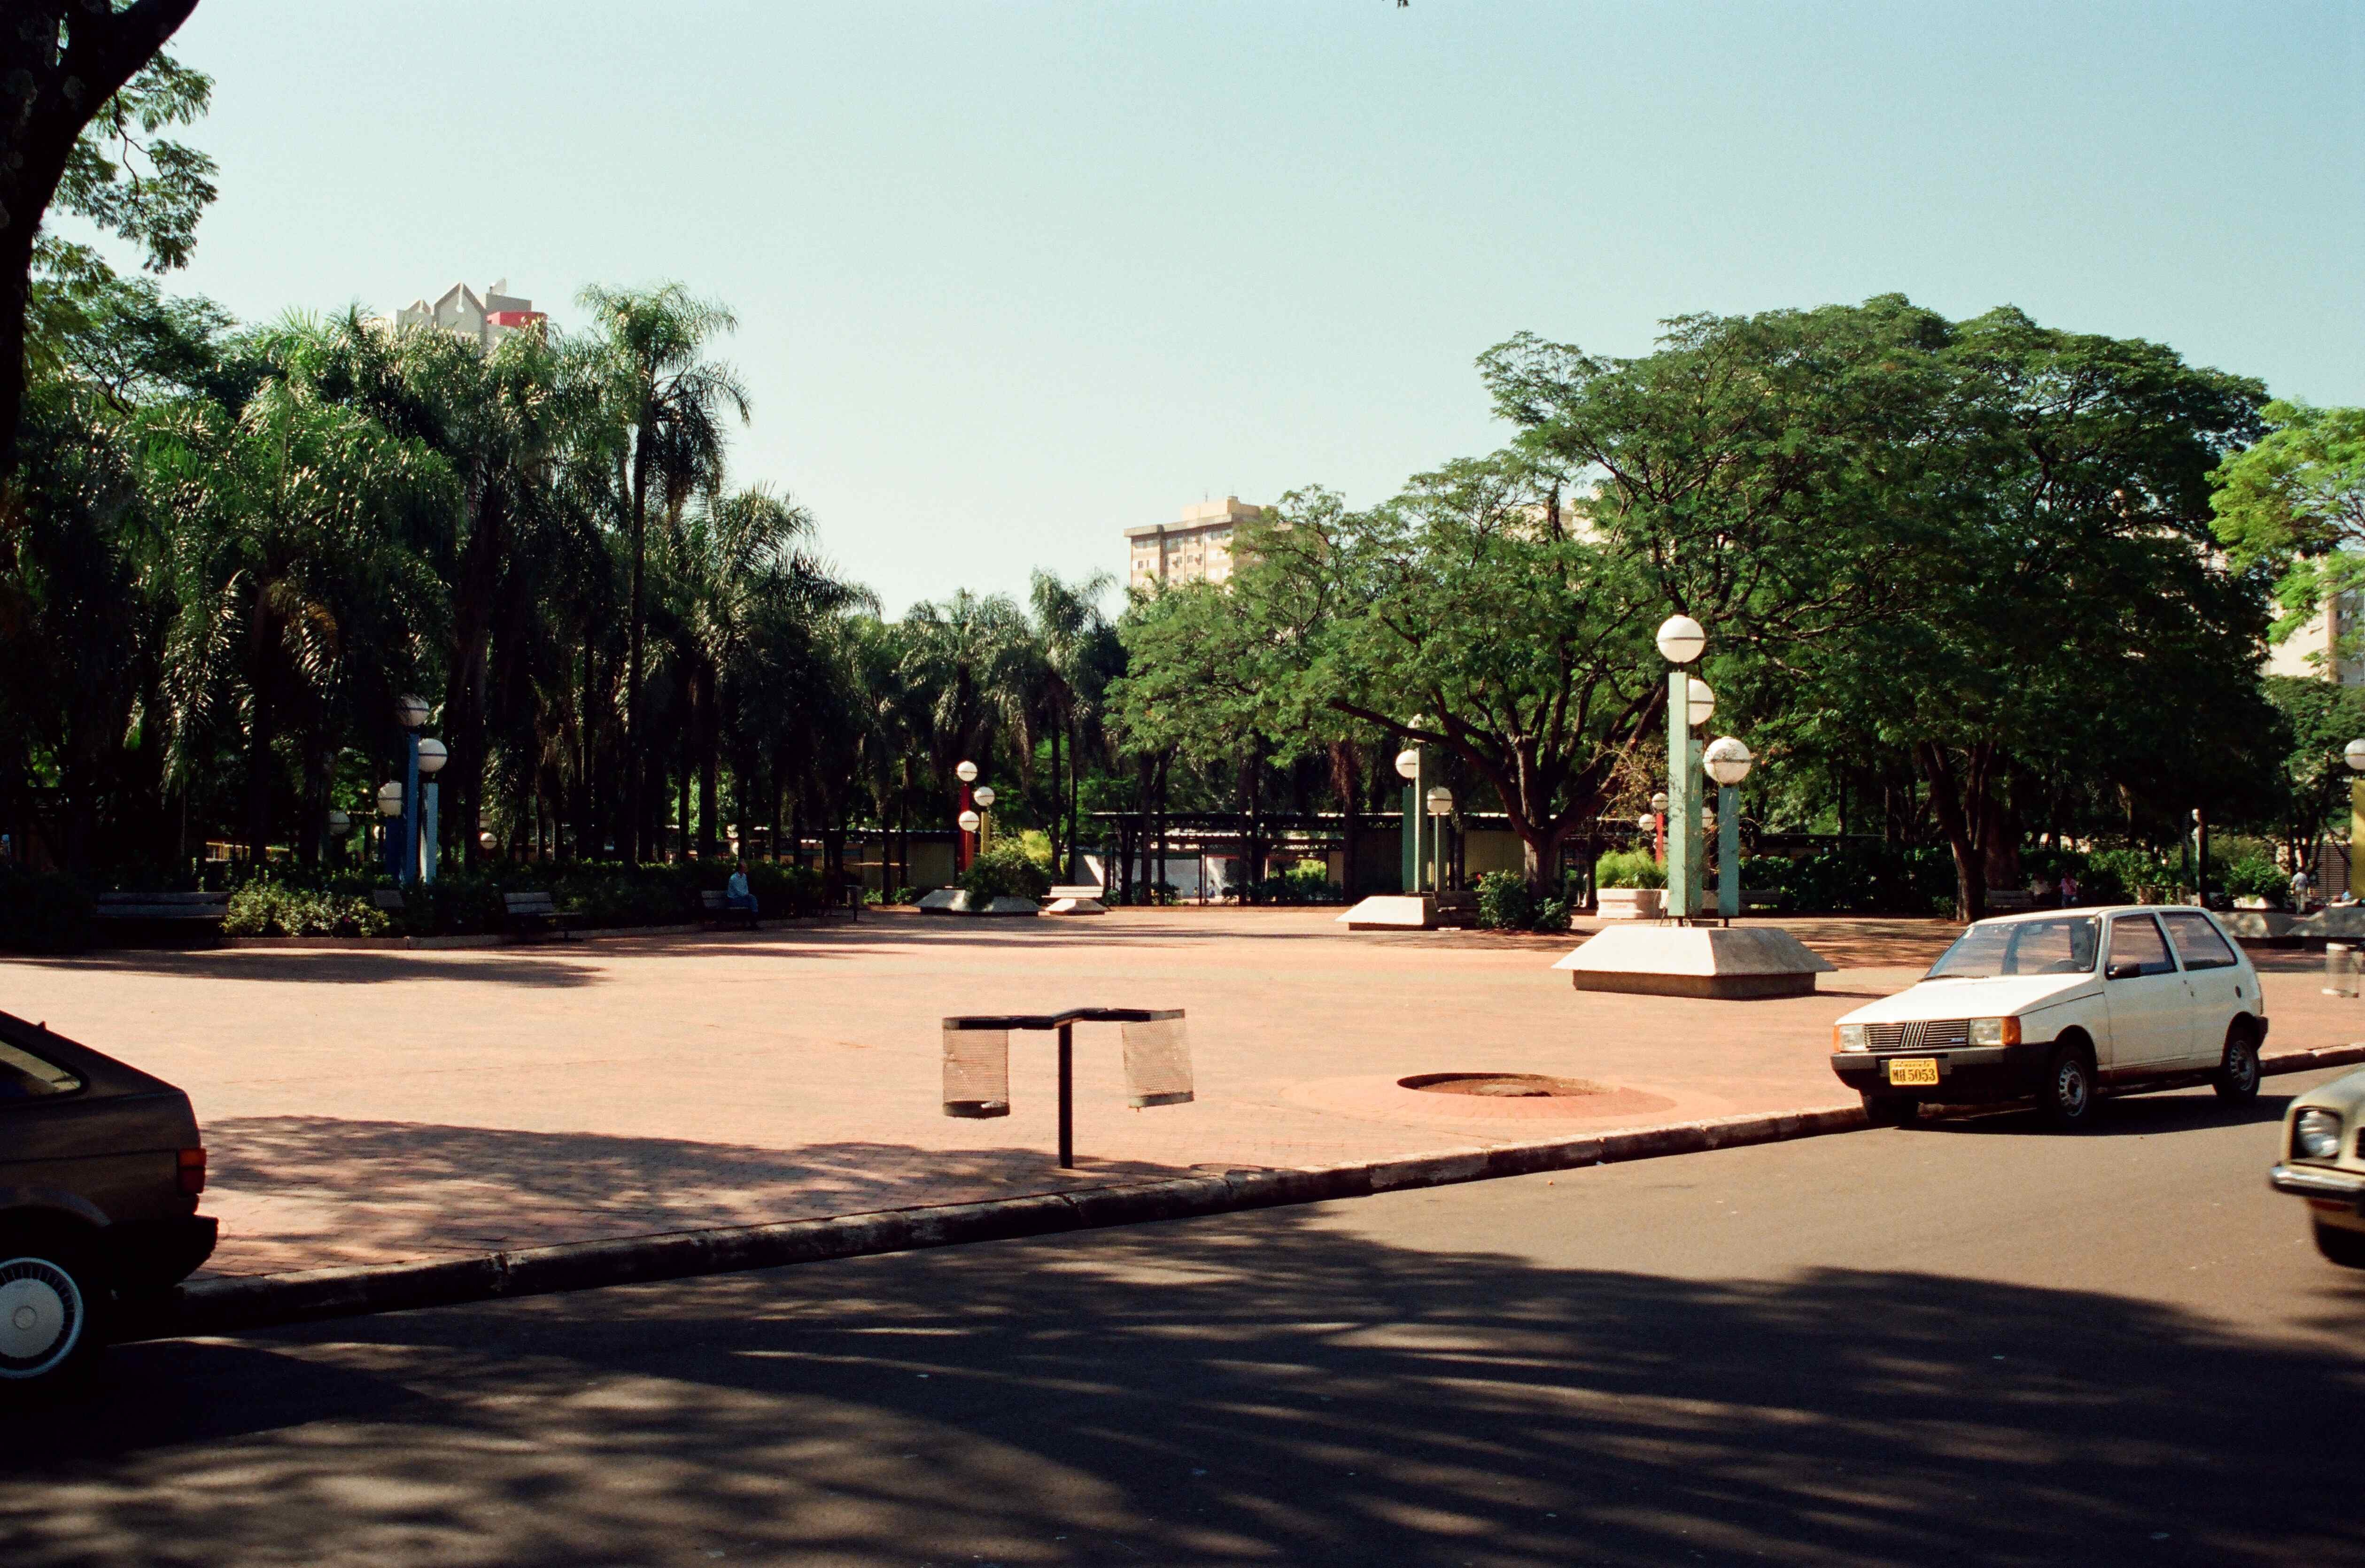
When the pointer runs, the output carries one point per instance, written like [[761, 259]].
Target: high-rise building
[[2315, 649], [1197, 549], [487, 319]]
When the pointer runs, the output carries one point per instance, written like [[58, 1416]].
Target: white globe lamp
[[1681, 639], [966, 772], [432, 758], [968, 820], [1726, 760], [982, 795], [1700, 702]]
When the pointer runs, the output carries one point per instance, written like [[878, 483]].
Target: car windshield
[[2064, 947], [24, 1076]]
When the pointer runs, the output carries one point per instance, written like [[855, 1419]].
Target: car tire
[[1891, 1110], [51, 1309], [2238, 1073], [2068, 1095], [2341, 1246]]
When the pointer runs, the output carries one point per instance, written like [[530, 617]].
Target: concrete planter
[[1633, 904]]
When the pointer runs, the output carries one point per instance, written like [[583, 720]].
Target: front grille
[[1938, 1035]]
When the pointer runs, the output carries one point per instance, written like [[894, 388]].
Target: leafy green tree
[[87, 92], [1080, 654], [2293, 506]]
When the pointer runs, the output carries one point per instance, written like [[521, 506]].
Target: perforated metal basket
[[2340, 968], [977, 1072], [1158, 1061]]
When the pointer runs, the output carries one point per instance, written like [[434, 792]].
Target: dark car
[[100, 1169]]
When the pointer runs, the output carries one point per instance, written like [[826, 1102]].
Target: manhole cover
[[1504, 1085]]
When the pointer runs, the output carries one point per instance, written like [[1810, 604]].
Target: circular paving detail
[[1504, 1085]]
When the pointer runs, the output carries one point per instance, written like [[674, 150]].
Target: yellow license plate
[[1914, 1072]]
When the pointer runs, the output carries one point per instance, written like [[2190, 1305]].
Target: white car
[[2062, 1006]]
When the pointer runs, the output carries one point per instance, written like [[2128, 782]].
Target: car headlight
[[1995, 1031], [2316, 1133], [1853, 1037]]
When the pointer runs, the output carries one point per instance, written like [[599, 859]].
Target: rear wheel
[[50, 1306], [2237, 1075], [1891, 1110], [2068, 1095], [2342, 1245]]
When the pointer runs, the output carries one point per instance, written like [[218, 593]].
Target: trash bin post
[[1067, 1097]]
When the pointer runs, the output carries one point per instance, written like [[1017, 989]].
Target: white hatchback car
[[2062, 1006]]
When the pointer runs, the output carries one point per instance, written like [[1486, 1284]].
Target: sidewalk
[[373, 1106]]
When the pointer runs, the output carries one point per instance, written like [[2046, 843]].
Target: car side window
[[2138, 948], [24, 1076], [2198, 942]]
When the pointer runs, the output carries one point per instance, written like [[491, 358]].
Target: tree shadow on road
[[1267, 1387], [326, 966]]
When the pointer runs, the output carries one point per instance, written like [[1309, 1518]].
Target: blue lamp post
[[389, 807], [409, 711], [432, 758]]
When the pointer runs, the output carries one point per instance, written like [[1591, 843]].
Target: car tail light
[[192, 1171]]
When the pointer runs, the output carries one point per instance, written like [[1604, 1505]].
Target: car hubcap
[[2072, 1088], [40, 1316]]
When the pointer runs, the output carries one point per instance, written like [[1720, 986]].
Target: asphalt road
[[1968, 1343]]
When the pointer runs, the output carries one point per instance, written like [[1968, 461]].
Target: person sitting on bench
[[736, 893]]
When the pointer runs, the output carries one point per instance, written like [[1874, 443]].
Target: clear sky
[[1012, 277]]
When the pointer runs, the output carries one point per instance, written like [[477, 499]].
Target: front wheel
[[2237, 1075], [2341, 1246], [2067, 1098], [48, 1310]]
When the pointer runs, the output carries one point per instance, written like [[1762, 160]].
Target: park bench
[[849, 905], [1457, 911], [1760, 901], [715, 908], [534, 912], [2010, 900], [178, 908]]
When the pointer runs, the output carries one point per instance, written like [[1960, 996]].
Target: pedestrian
[[2301, 887], [2068, 891], [736, 893]]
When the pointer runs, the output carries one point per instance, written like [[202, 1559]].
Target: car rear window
[[2198, 943], [2138, 948], [24, 1076]]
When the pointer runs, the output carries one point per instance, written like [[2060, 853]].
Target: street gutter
[[237, 1304]]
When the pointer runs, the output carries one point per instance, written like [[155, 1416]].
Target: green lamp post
[[1681, 641], [1727, 761]]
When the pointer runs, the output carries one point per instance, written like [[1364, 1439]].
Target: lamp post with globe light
[[1440, 806], [983, 796], [409, 711], [1727, 761], [1681, 642], [965, 771], [1409, 768], [432, 759], [1658, 828], [389, 806]]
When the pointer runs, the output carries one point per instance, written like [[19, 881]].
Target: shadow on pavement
[[391, 1190], [328, 966], [1264, 1388], [2132, 1115]]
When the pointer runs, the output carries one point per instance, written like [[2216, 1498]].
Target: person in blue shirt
[[736, 892]]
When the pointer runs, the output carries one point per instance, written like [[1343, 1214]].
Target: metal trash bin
[[977, 1073], [2340, 974], [1158, 1061]]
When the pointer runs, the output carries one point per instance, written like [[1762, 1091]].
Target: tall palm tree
[[665, 403], [974, 656], [1080, 654], [298, 576]]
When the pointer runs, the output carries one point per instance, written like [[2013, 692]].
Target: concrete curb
[[262, 1301], [504, 939]]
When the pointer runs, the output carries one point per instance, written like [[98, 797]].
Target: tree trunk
[[634, 737], [710, 741], [1961, 807]]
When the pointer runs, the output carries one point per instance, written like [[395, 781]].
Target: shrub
[[1308, 881], [1629, 868], [269, 907], [41, 911], [1860, 879], [2113, 875], [1506, 902], [1005, 871], [2253, 879]]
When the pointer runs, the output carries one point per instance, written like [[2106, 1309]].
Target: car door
[[2214, 972], [2150, 1004]]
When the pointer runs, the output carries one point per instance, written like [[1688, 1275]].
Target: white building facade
[[1195, 549], [486, 318]]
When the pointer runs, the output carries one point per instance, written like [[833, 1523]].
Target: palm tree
[[1080, 654], [664, 403], [299, 585], [973, 657]]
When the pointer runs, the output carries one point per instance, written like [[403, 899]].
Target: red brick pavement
[[371, 1105]]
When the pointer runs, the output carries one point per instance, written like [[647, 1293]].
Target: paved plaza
[[374, 1104]]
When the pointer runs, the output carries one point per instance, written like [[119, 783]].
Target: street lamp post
[[389, 806], [983, 796], [965, 771], [1659, 827], [1408, 763], [1440, 806], [1681, 641], [1727, 761], [2354, 754], [432, 758], [409, 711]]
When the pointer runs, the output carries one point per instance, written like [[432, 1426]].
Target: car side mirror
[[2122, 971]]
